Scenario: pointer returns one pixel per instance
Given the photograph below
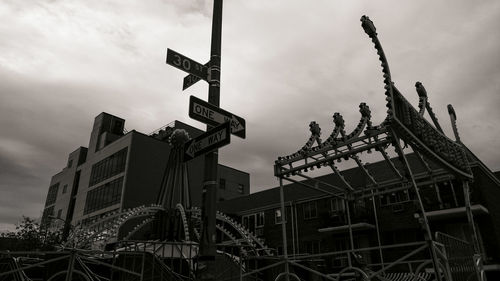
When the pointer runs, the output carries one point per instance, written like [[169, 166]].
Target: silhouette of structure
[[160, 240]]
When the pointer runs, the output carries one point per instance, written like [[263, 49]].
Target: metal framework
[[242, 255], [404, 124]]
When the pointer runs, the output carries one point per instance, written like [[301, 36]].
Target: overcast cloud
[[284, 64]]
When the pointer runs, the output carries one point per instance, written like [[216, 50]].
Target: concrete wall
[[65, 178]]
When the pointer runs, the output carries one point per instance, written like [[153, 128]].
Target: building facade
[[121, 170], [317, 223]]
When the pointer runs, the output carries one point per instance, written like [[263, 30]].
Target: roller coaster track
[[109, 226]]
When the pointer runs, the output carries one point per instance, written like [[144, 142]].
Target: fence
[[150, 260], [460, 257], [84, 265]]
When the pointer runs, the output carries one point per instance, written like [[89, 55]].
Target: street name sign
[[212, 115], [188, 65], [213, 139], [191, 79]]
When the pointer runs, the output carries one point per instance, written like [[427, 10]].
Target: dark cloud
[[284, 64]]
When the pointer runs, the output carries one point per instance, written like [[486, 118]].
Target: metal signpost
[[212, 115], [211, 74]]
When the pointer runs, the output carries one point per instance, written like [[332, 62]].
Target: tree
[[29, 236]]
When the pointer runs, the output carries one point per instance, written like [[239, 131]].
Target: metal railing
[[76, 264], [154, 260], [157, 131], [460, 257]]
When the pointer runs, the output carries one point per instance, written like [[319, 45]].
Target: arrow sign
[[215, 138], [191, 79], [184, 63], [212, 115]]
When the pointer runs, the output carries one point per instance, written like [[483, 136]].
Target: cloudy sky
[[284, 64]]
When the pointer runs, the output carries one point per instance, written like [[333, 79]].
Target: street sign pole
[[209, 195]]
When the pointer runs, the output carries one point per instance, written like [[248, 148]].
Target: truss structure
[[404, 126]]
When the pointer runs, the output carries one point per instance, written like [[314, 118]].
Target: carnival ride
[[172, 255], [404, 127]]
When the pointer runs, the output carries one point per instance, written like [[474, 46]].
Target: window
[[340, 244], [241, 188], [222, 183], [310, 210], [52, 195], [65, 189], [340, 261], [259, 222], [253, 222], [312, 247], [103, 196], [278, 218], [59, 212], [70, 163], [337, 205], [394, 197], [47, 213], [106, 168], [360, 204], [245, 222]]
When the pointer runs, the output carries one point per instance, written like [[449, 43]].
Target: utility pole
[[220, 122], [209, 195]]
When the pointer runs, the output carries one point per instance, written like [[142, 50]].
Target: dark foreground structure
[[427, 214]]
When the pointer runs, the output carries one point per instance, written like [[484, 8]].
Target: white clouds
[[7, 227], [284, 64]]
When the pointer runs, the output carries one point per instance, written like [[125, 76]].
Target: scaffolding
[[404, 127]]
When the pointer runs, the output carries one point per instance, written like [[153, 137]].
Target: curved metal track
[[105, 229]]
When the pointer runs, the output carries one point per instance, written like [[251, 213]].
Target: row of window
[[106, 168], [310, 209], [52, 195], [104, 196], [394, 198], [253, 221]]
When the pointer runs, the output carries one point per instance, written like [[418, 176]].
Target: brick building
[[318, 223]]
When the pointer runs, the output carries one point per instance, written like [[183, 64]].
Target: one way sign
[[215, 138], [212, 115]]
